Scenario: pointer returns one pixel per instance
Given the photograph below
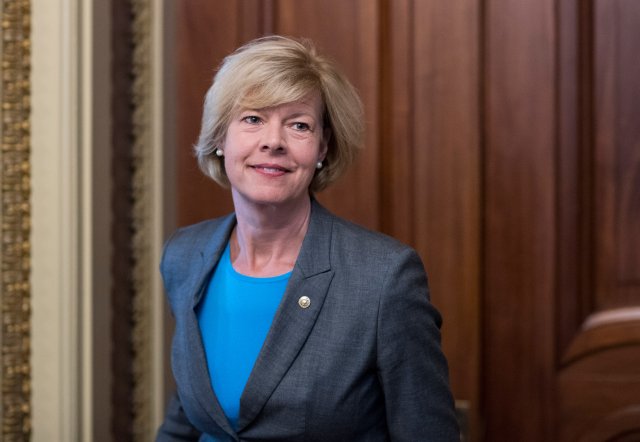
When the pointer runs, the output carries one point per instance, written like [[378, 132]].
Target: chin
[[273, 198]]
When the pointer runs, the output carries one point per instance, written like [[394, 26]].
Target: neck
[[267, 238]]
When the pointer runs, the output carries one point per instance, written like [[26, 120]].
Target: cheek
[[230, 162], [235, 140], [314, 152]]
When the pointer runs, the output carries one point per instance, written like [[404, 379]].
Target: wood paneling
[[574, 132], [445, 167], [617, 152], [597, 386], [627, 175], [519, 214], [397, 113]]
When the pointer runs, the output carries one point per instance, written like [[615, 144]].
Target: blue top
[[234, 318]]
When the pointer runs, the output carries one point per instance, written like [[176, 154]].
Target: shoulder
[[347, 233], [193, 235], [189, 239], [186, 247], [348, 237], [356, 248]]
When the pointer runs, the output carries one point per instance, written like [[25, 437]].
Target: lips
[[270, 169]]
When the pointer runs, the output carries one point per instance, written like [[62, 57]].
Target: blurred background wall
[[502, 142]]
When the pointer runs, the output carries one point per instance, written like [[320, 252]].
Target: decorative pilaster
[[15, 220]]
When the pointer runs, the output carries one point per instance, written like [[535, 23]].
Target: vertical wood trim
[[586, 124], [396, 109], [605, 60], [568, 203], [575, 283]]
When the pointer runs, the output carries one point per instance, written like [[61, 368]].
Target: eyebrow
[[300, 114], [295, 114]]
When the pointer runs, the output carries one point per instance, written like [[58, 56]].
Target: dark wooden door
[[599, 342], [561, 248], [503, 143]]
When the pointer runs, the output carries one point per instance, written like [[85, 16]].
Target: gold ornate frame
[[15, 219]]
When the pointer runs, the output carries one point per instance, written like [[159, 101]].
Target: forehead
[[310, 103]]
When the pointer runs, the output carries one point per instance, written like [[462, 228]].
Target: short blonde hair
[[275, 70]]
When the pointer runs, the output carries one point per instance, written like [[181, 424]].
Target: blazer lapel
[[292, 324], [198, 371]]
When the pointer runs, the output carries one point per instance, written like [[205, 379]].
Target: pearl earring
[[219, 152], [319, 165]]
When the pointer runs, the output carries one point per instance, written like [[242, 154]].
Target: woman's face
[[270, 154]]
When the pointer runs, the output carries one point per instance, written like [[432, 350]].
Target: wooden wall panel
[[598, 388], [628, 149], [446, 187], [617, 152], [519, 221]]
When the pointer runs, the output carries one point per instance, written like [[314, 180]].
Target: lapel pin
[[304, 302]]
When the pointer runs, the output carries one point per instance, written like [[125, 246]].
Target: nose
[[273, 138]]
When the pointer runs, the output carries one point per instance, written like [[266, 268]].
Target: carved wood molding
[[15, 219], [122, 262], [603, 331], [621, 426], [142, 182]]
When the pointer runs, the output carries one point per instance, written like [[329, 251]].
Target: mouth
[[270, 169]]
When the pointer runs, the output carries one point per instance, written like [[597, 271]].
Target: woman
[[293, 324]]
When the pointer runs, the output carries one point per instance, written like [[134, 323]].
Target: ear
[[324, 143]]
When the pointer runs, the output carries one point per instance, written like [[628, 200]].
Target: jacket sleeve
[[411, 366], [176, 426]]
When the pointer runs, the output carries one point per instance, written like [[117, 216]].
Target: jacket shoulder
[[188, 240], [184, 250], [350, 236]]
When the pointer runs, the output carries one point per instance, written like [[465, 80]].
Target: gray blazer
[[361, 363]]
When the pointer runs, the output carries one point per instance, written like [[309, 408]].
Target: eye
[[251, 119], [300, 126]]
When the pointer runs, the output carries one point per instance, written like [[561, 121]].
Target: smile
[[270, 169]]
